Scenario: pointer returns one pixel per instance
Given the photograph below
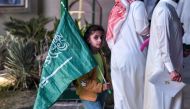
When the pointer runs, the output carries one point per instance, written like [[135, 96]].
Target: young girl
[[91, 88]]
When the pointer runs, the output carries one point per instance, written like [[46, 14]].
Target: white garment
[[165, 53], [150, 4], [128, 62], [184, 14]]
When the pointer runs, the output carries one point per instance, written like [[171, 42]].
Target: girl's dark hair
[[92, 29]]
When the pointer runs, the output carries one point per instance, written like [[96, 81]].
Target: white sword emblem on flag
[[45, 80]]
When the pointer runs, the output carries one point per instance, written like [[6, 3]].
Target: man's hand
[[175, 76]]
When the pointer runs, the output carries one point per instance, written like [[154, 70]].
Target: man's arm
[[141, 20], [164, 37]]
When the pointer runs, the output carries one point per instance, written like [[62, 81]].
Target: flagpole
[[109, 91], [65, 2]]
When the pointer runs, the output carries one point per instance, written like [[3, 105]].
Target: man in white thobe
[[184, 14], [165, 54], [127, 61]]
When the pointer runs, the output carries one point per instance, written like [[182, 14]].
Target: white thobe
[[184, 14], [150, 4], [164, 54], [128, 62]]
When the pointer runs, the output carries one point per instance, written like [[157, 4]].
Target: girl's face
[[95, 39]]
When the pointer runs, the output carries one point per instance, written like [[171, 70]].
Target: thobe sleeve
[[164, 36], [141, 19]]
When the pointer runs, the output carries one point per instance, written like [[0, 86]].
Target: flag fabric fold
[[68, 58]]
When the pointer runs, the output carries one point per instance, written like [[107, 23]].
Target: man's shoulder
[[138, 3], [161, 9]]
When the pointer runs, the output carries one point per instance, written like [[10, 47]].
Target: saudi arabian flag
[[68, 58]]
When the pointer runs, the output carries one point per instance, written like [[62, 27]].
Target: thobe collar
[[171, 2]]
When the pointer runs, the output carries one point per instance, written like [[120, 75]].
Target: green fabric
[[65, 2], [100, 67], [68, 58]]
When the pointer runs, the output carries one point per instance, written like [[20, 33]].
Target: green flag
[[68, 58]]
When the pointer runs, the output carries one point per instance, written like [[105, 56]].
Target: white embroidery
[[58, 45], [45, 79]]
